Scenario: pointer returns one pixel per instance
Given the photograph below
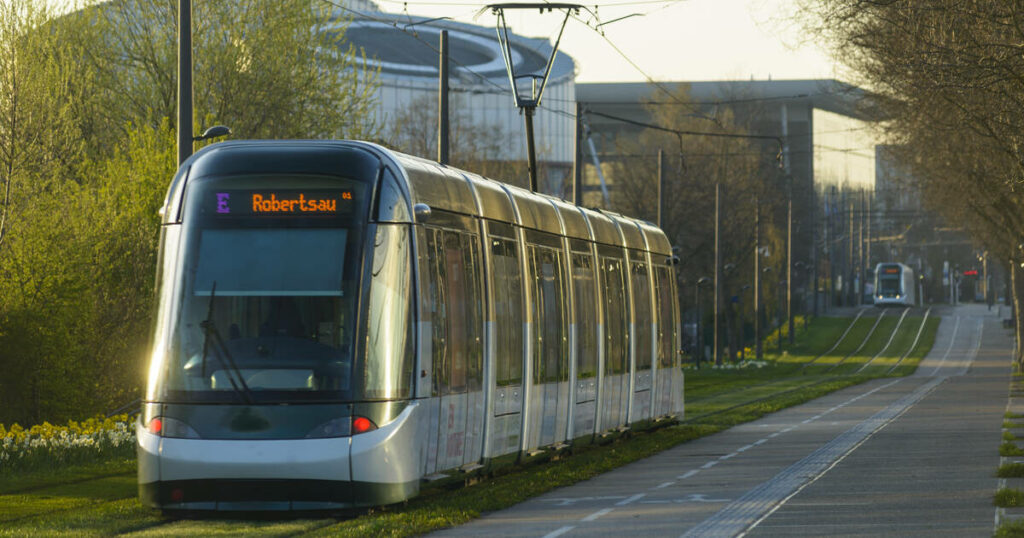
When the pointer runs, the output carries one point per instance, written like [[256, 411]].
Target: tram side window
[[453, 291], [642, 304], [586, 315], [508, 311], [613, 284], [666, 321], [388, 369], [550, 316]]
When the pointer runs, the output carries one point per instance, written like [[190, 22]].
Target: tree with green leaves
[[87, 149]]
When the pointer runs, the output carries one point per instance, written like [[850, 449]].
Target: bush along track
[[101, 500]]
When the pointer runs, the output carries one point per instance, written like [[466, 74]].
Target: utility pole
[[661, 188], [443, 126], [577, 164], [528, 105], [184, 80], [758, 350], [718, 272], [789, 225], [789, 262]]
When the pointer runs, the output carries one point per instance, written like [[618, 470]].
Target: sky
[[665, 40]]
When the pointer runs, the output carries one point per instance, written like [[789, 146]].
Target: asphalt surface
[[896, 456]]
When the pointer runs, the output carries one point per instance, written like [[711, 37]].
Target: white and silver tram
[[894, 285], [338, 322]]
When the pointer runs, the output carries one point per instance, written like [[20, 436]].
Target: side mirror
[[422, 212]]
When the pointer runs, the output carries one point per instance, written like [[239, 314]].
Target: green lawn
[[101, 499]]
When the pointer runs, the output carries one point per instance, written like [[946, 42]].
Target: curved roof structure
[[404, 46]]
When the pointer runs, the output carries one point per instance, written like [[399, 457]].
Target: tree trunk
[[1017, 291]]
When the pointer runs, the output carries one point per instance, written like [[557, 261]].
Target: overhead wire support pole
[[443, 126], [528, 106], [184, 80]]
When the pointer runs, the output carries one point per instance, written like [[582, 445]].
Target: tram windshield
[[889, 282], [267, 308]]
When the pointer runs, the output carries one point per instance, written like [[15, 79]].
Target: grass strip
[[1010, 449], [1008, 498], [65, 496], [1011, 529], [22, 481], [1010, 470]]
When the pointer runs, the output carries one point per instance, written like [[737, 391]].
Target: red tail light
[[362, 425], [155, 426]]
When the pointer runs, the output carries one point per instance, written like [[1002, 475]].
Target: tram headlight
[[339, 427], [171, 427]]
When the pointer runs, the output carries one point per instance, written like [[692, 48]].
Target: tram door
[[508, 329], [450, 264], [615, 386], [643, 330], [547, 414], [585, 292], [667, 381]]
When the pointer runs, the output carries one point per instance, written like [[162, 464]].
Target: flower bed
[[47, 445]]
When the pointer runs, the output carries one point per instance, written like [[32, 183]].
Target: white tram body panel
[[895, 285], [338, 322]]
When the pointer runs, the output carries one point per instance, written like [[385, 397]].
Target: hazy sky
[[671, 40], [680, 40]]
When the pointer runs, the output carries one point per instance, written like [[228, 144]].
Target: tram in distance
[[894, 285], [338, 322]]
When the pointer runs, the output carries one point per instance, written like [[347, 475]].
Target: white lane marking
[[688, 474], [952, 340], [776, 434], [745, 448], [759, 442], [560, 531], [664, 485], [624, 502], [977, 348], [753, 507], [727, 456], [709, 465], [597, 514]]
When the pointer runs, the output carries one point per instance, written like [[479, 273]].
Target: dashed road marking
[[664, 485], [597, 514], [688, 474], [624, 502], [560, 531]]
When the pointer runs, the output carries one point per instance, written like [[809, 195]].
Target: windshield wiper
[[232, 369]]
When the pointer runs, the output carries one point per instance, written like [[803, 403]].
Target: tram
[[894, 285], [338, 323]]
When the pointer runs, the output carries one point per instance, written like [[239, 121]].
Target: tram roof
[[424, 182]]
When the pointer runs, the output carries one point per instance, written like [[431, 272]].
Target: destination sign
[[277, 203], [892, 270]]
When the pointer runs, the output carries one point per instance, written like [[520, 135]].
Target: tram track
[[867, 338], [802, 373], [888, 343]]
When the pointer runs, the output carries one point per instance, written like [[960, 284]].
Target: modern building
[[829, 156], [406, 51]]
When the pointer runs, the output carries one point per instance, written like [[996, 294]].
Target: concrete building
[[405, 50], [830, 156]]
